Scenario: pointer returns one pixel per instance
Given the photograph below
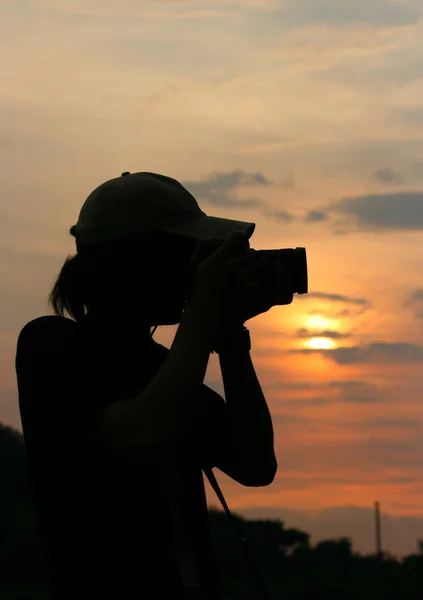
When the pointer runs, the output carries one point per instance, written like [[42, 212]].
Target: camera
[[289, 264], [284, 270]]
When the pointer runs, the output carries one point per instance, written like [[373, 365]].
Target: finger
[[231, 247], [262, 296], [202, 249], [235, 244], [242, 262]]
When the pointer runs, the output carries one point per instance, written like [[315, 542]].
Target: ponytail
[[69, 291]]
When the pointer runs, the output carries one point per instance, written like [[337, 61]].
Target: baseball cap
[[137, 203]]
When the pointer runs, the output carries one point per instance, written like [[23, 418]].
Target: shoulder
[[49, 328], [49, 376], [46, 336]]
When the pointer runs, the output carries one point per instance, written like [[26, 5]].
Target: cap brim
[[213, 228]]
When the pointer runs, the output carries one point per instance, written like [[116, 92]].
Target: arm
[[64, 402], [249, 424], [165, 409]]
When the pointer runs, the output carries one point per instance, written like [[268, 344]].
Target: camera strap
[[252, 567]]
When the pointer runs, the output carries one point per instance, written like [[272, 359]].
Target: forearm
[[166, 408], [249, 419], [174, 392]]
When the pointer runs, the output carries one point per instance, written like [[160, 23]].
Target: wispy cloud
[[305, 402], [282, 216], [388, 176], [223, 190], [378, 352], [415, 301], [220, 189], [381, 212], [356, 392], [338, 298], [384, 423], [345, 14], [302, 394], [163, 10], [334, 335], [315, 216]]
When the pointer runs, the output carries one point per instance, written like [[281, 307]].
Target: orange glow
[[320, 343], [320, 322]]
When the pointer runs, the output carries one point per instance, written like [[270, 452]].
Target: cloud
[[349, 391], [415, 301], [385, 422], [378, 212], [388, 176], [315, 216], [332, 13], [338, 298], [349, 383], [360, 392], [343, 313], [279, 215], [267, 14], [334, 335], [396, 66], [378, 352], [288, 418], [410, 116], [220, 189], [166, 9], [302, 402], [366, 424], [368, 456]]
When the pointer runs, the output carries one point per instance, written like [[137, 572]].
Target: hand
[[229, 282], [262, 291]]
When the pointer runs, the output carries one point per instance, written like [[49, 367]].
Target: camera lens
[[300, 271]]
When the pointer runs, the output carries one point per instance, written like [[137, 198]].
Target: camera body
[[285, 269], [289, 264], [283, 272]]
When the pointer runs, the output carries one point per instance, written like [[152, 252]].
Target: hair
[[97, 275], [67, 294]]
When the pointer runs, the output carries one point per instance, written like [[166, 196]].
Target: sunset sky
[[303, 116]]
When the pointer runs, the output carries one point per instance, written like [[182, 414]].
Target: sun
[[320, 343]]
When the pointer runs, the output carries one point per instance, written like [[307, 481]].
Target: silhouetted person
[[117, 427]]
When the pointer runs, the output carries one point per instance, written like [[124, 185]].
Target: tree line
[[293, 568]]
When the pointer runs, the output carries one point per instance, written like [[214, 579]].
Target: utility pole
[[378, 534]]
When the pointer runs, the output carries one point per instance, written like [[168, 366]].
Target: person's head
[[134, 237], [143, 277]]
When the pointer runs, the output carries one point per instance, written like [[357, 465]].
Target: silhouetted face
[[161, 291]]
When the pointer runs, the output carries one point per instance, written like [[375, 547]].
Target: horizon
[[304, 118]]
